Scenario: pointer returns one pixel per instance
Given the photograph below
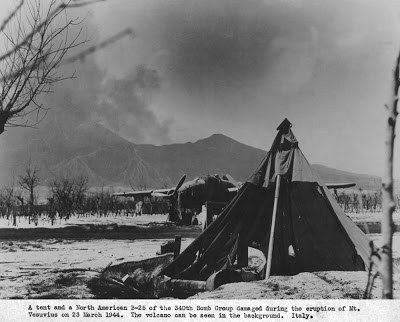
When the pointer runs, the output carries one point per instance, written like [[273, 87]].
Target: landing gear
[[173, 214], [189, 217], [183, 217], [186, 217]]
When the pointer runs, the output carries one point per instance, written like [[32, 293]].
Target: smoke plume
[[123, 105]]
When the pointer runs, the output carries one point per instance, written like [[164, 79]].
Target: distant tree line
[[68, 196], [355, 202]]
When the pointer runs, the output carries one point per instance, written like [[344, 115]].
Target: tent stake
[[271, 236]]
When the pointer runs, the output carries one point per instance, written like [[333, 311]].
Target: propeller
[[174, 194]]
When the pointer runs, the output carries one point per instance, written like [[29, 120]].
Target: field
[[38, 266]]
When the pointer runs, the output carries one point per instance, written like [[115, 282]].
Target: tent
[[311, 231]]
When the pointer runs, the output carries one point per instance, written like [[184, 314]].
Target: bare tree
[[8, 196], [388, 204], [68, 194], [35, 43], [29, 181], [36, 39]]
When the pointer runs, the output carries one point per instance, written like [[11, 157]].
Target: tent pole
[[271, 236]]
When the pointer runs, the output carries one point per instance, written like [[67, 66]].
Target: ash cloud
[[124, 108], [122, 104]]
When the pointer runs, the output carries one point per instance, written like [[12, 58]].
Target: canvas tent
[[312, 233]]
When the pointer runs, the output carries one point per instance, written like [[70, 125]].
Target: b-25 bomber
[[187, 198]]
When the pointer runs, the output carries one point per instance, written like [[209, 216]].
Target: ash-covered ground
[[39, 267]]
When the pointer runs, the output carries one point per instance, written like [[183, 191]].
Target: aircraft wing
[[144, 193], [328, 185], [339, 185], [171, 192]]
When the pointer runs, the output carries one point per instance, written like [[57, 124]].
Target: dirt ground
[[57, 268], [317, 285], [38, 267]]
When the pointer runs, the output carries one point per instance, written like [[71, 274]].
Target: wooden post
[[177, 245], [271, 236]]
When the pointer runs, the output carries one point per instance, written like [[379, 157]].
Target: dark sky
[[240, 67]]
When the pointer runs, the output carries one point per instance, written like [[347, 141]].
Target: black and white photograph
[[197, 150]]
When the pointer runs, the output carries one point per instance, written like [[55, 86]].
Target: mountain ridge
[[109, 160]]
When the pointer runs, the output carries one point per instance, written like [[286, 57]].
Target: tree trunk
[[388, 204], [3, 120]]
